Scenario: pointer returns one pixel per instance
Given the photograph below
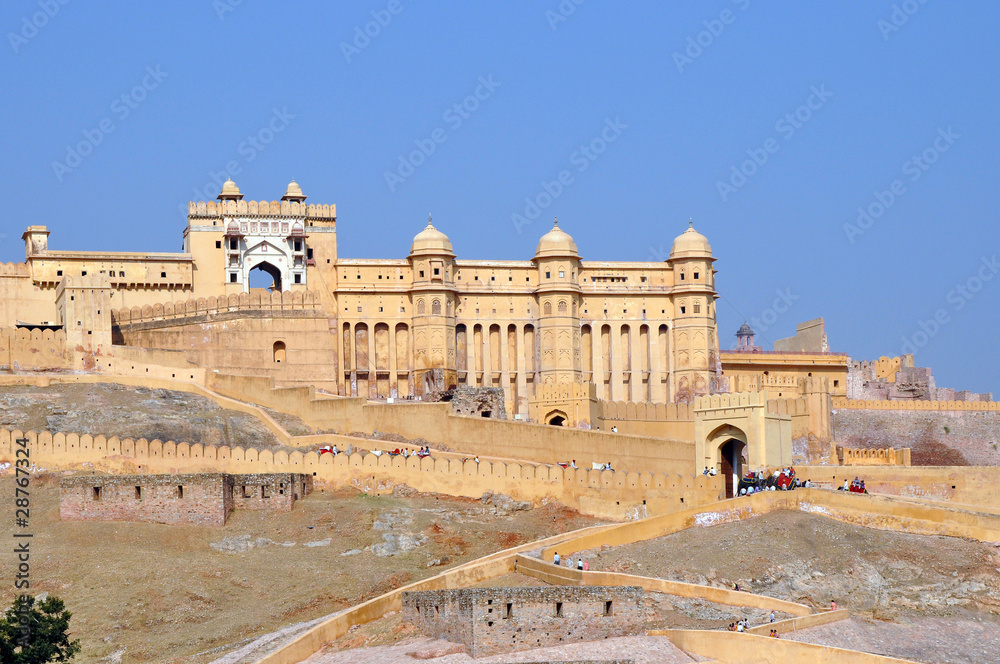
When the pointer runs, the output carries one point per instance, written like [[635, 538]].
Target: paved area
[[643, 649]]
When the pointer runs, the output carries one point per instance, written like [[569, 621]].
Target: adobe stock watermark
[[223, 7], [913, 168], [30, 25], [454, 116], [580, 160], [363, 35], [898, 17], [122, 107], [704, 39], [958, 297], [248, 150], [786, 126], [783, 301], [562, 12]]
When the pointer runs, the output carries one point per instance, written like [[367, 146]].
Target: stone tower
[[433, 295], [558, 297], [695, 338]]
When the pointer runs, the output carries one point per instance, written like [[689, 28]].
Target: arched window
[[697, 307], [436, 307], [420, 307], [562, 306], [547, 308], [279, 351]]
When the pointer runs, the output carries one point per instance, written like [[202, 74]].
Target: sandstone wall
[[472, 435], [953, 433], [21, 300], [608, 494], [33, 350]]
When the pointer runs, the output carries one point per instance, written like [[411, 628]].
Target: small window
[[309, 254], [138, 493], [218, 244], [608, 609], [548, 275], [682, 276], [298, 245], [559, 609], [380, 309], [97, 493], [836, 383], [298, 278], [421, 273], [180, 491], [437, 271], [695, 275], [121, 274], [264, 493], [163, 275], [234, 244], [697, 307], [232, 278], [683, 310], [508, 611], [279, 351], [58, 273], [562, 274], [83, 273]]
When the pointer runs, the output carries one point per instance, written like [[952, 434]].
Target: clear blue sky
[[346, 114]]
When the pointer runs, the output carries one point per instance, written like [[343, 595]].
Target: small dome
[[293, 192], [431, 241], [230, 191], [556, 242], [744, 331], [690, 244]]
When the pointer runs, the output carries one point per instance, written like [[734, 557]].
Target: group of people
[[740, 625], [571, 464], [710, 471], [581, 564], [856, 486]]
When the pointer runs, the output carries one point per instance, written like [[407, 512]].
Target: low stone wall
[[974, 486], [559, 575], [853, 456]]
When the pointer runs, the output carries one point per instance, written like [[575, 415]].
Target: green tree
[[36, 632]]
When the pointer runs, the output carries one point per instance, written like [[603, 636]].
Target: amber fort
[[605, 387]]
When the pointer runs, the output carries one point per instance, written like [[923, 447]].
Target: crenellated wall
[[261, 208], [843, 402], [853, 456], [33, 350], [608, 494]]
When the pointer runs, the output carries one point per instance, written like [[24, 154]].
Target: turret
[[558, 297], [694, 330], [433, 293]]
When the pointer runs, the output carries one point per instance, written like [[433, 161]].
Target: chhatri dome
[[556, 242], [690, 244], [230, 192], [431, 241], [293, 192]]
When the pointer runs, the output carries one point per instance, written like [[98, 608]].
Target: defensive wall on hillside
[[22, 349], [608, 494]]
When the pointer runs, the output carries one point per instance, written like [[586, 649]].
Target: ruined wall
[[938, 433], [608, 494], [269, 491], [194, 500], [512, 619], [473, 401], [898, 379], [281, 335]]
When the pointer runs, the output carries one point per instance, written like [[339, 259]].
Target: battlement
[[14, 270], [217, 209], [891, 404], [638, 410], [731, 400], [256, 300]]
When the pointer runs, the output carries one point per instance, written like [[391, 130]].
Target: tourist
[[573, 464], [739, 627], [579, 564], [586, 566], [833, 605], [705, 472], [608, 467], [555, 558], [477, 459], [847, 486], [713, 471], [614, 429], [772, 616]]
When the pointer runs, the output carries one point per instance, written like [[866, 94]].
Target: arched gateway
[[735, 433]]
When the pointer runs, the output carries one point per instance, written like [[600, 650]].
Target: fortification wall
[[854, 456], [736, 648], [938, 433], [608, 494], [797, 409], [964, 485], [21, 300], [472, 435], [281, 335], [662, 420], [33, 350]]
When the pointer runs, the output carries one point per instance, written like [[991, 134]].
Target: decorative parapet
[[256, 300], [261, 209], [857, 456], [14, 270], [886, 404], [638, 410]]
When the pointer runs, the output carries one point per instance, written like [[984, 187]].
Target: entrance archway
[[733, 453], [556, 418], [259, 274]]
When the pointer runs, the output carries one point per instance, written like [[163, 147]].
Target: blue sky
[[833, 100]]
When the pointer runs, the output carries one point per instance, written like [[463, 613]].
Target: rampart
[[205, 308], [665, 420], [261, 208], [537, 443], [489, 621], [608, 494], [33, 350], [887, 404]]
